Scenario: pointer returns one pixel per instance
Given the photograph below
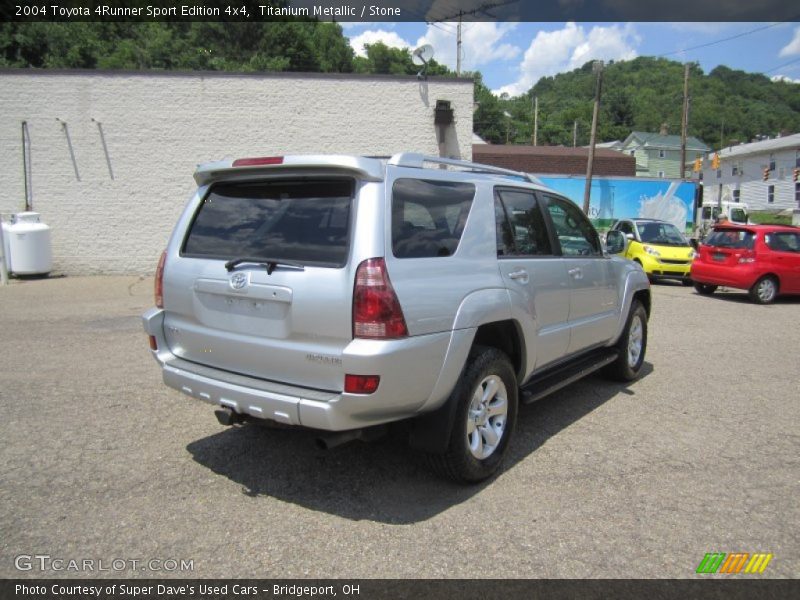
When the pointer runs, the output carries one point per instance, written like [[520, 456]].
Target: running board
[[544, 385]]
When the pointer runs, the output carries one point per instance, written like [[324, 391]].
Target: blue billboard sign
[[626, 198]]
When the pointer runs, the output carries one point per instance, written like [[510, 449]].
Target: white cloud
[[565, 49], [785, 78], [481, 43], [389, 38], [792, 47]]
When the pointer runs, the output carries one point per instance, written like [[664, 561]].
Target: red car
[[763, 259]]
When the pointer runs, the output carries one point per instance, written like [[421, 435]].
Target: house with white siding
[[758, 174], [659, 154]]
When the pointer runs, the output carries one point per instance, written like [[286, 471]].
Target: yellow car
[[659, 247]]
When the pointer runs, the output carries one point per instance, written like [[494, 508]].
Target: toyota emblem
[[239, 281]]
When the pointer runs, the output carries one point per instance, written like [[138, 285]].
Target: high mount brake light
[[258, 161]]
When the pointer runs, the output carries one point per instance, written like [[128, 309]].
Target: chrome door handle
[[521, 276]]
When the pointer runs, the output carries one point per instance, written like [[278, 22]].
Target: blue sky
[[513, 56]]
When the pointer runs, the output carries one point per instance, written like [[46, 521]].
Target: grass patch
[[767, 218]]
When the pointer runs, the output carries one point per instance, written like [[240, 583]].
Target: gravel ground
[[99, 460]]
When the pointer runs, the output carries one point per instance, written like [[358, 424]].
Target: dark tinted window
[[575, 232], [428, 217], [520, 225], [305, 221], [783, 241], [625, 227]]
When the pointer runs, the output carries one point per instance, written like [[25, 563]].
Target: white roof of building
[[476, 139], [779, 143]]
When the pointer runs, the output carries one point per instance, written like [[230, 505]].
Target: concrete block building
[[110, 155]]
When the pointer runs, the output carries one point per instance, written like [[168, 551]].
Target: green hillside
[[640, 95]]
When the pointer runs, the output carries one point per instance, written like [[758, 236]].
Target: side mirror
[[615, 242]]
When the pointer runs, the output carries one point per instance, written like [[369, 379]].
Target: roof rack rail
[[415, 160]]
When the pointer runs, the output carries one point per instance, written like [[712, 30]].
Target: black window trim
[[555, 249], [551, 227]]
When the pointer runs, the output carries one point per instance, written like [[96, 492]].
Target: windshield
[[738, 215], [661, 233], [731, 238]]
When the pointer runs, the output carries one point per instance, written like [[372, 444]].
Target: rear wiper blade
[[269, 263]]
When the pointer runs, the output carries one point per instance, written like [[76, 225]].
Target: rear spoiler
[[366, 168]]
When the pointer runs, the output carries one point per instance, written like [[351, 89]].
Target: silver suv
[[344, 293]]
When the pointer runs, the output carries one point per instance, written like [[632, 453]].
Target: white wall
[[159, 126]]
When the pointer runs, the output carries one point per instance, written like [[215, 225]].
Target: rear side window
[[304, 221], [428, 217], [731, 238], [783, 241], [519, 225]]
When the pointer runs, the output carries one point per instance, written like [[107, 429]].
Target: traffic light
[[765, 176], [698, 165], [715, 161], [796, 174]]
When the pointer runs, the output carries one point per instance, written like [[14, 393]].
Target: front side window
[[576, 235], [520, 225], [625, 227], [304, 221], [428, 217]]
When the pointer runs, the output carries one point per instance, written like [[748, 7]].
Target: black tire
[[461, 462], [632, 345], [765, 290], [706, 289]]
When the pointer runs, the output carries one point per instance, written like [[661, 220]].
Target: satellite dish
[[422, 55]]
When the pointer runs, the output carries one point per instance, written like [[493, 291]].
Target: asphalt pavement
[[100, 461]]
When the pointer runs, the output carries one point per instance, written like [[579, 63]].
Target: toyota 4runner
[[344, 293]]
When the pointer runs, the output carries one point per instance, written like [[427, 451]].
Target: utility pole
[[575, 134], [458, 47], [684, 118], [587, 191], [535, 136]]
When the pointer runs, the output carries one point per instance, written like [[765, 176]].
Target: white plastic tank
[[28, 250]]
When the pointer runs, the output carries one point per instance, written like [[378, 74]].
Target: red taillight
[[376, 310], [361, 384], [153, 343], [255, 162], [160, 280]]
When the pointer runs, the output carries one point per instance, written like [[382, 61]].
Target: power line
[[727, 39], [791, 62]]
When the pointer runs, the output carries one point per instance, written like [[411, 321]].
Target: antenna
[[421, 56]]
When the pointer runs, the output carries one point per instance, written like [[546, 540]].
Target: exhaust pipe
[[227, 416], [370, 434]]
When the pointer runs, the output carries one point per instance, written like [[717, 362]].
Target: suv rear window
[[731, 238], [305, 221], [428, 217]]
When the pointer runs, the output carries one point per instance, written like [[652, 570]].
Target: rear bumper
[[398, 396], [739, 276]]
